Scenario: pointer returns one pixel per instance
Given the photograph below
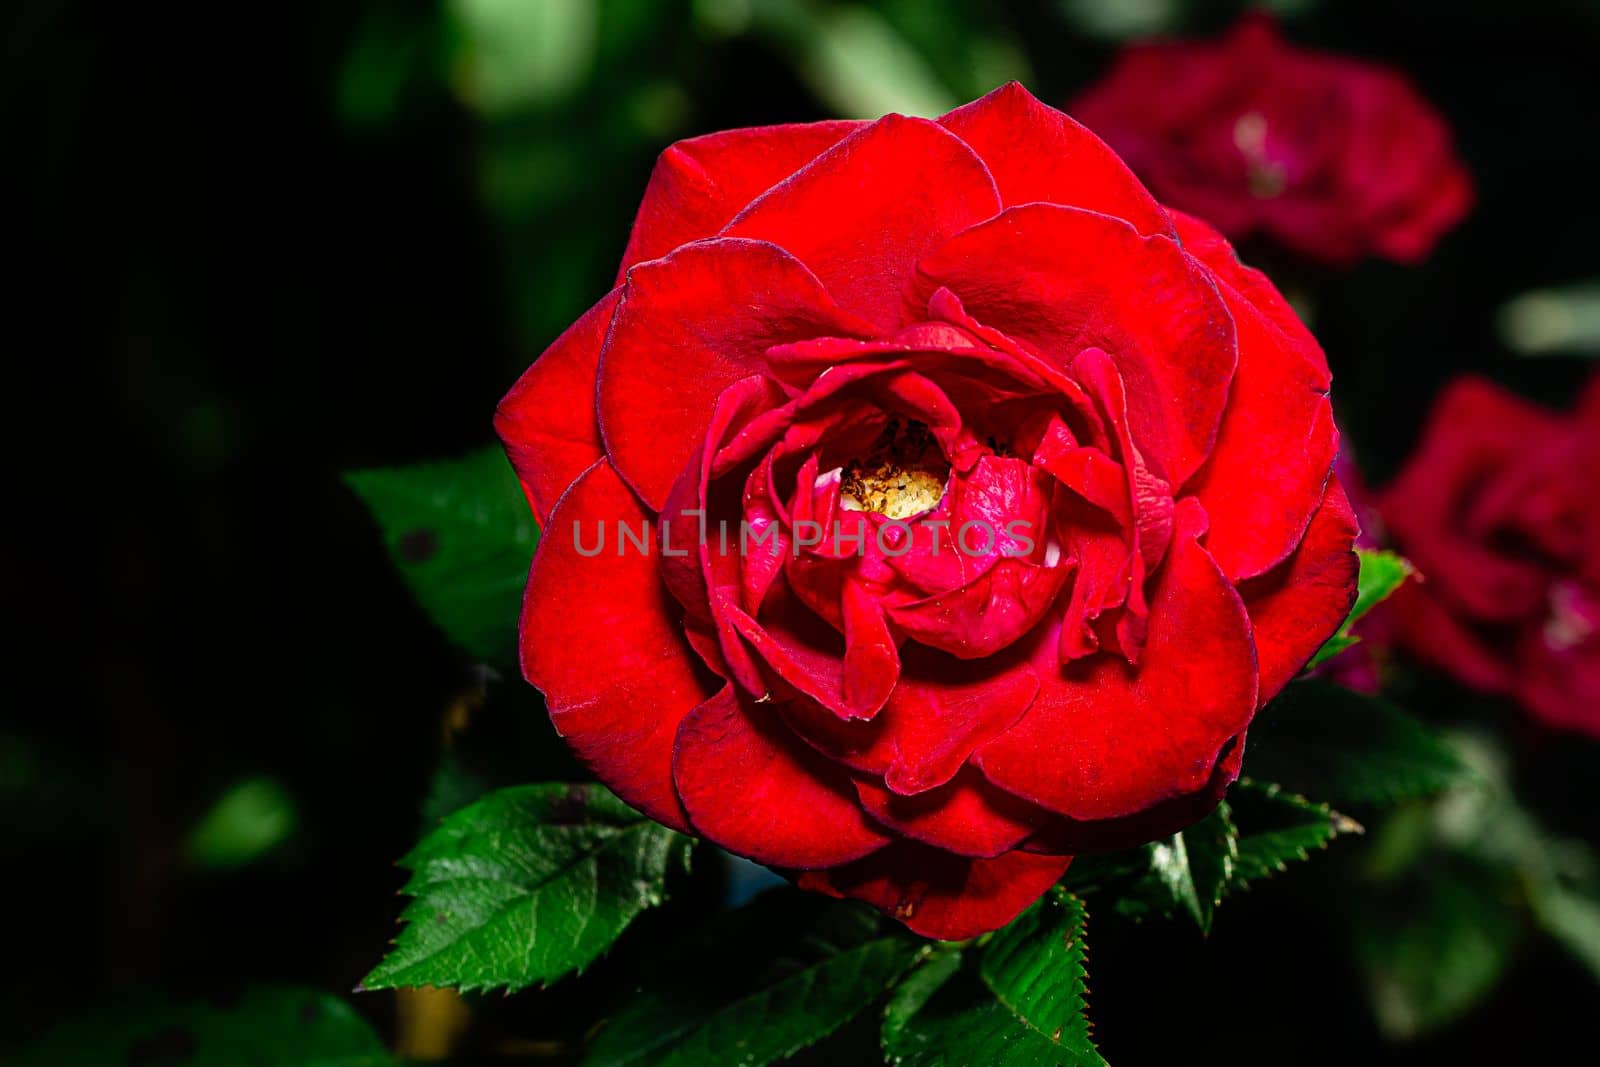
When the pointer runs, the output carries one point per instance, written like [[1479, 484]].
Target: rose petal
[[967, 815], [941, 895], [1104, 739], [1064, 280], [1277, 443], [610, 608], [1434, 634], [1039, 154], [862, 213], [547, 420], [1061, 836], [752, 787], [688, 326], [1297, 606], [1476, 434], [698, 185]]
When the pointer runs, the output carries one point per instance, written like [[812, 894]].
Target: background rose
[[930, 732], [1497, 507], [1333, 157]]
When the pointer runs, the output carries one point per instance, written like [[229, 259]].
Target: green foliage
[[940, 963], [461, 535], [1023, 1006], [268, 1027], [1381, 574], [1284, 828], [768, 980], [1572, 917], [1434, 944], [1321, 740], [525, 886], [1256, 833], [248, 821]]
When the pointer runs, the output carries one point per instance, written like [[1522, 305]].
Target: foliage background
[[277, 243]]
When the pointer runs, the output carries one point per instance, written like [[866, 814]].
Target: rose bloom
[[1498, 509], [1332, 157], [1071, 464]]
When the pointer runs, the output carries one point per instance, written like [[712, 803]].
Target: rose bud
[[1330, 157], [961, 506], [1498, 510]]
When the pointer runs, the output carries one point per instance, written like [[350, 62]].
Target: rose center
[[903, 475]]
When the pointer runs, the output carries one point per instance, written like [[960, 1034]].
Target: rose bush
[[1497, 508], [1071, 465], [1332, 157]]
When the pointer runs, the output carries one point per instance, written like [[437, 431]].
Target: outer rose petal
[[967, 816], [688, 326], [1038, 154], [752, 787], [861, 214], [1064, 836], [547, 420], [1477, 434], [1436, 635], [1064, 280], [1277, 443], [1297, 606], [941, 895], [1104, 740], [942, 709], [580, 611], [698, 185]]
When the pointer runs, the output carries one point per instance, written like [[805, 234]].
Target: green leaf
[[462, 537], [1187, 873], [1321, 740], [525, 886], [1025, 1005], [769, 980], [1278, 828], [1434, 946], [1254, 834], [1382, 573], [1572, 918], [268, 1027], [248, 821], [941, 963]]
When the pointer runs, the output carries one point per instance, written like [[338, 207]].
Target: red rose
[[1498, 509], [1330, 156], [1035, 480]]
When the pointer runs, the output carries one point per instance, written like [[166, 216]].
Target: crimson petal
[[610, 609], [1277, 443], [688, 326], [547, 420], [941, 895], [1039, 154], [967, 815], [1103, 739], [862, 233], [1063, 280], [1298, 605], [752, 787], [698, 185]]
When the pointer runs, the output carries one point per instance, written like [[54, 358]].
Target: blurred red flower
[[1330, 156], [1039, 482], [1498, 507]]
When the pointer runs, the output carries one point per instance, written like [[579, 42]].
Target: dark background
[[262, 247]]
